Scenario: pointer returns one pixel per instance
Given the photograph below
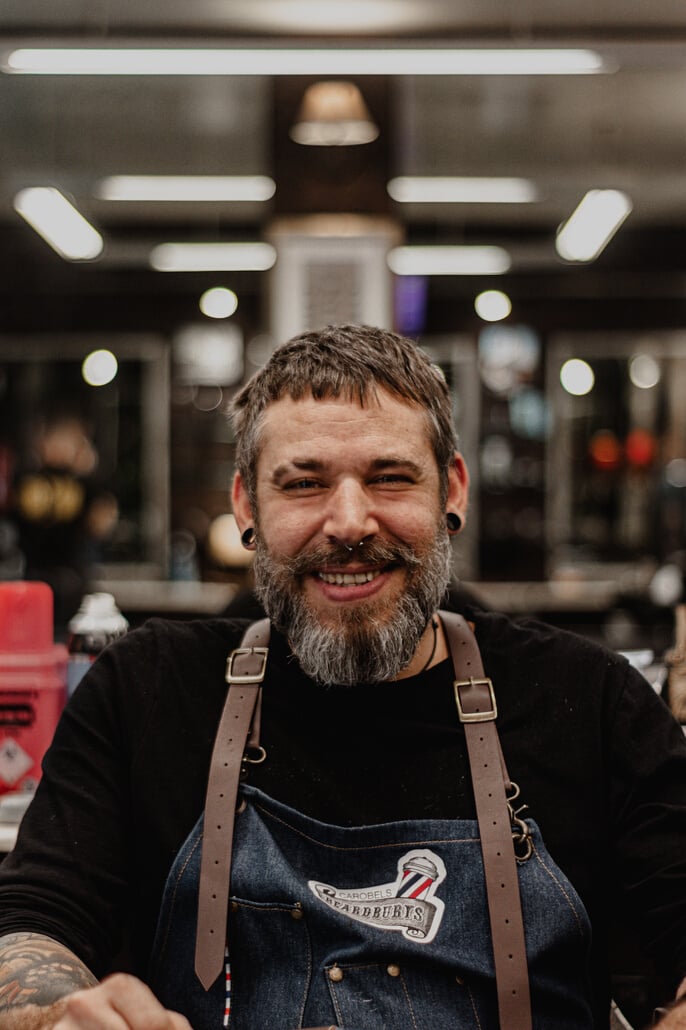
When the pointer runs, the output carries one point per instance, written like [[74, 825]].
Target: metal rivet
[[393, 970], [234, 906], [297, 912], [459, 980], [336, 974]]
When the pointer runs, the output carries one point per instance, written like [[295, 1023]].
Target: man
[[357, 893]]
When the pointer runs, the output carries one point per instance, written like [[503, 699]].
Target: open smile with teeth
[[349, 578]]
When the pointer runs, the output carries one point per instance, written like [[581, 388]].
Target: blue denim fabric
[[371, 927]]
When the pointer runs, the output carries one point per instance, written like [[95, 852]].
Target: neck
[[431, 650]]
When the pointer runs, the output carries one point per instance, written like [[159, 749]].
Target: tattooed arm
[[44, 986], [36, 973]]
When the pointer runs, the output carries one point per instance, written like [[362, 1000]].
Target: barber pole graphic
[[407, 904], [418, 876]]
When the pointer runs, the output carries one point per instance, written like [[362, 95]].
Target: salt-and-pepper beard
[[366, 644]]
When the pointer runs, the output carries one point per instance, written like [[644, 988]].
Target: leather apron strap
[[477, 710], [238, 729]]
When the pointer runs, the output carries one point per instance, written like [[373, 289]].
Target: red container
[[33, 677]]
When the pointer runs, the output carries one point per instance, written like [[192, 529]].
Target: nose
[[349, 516]]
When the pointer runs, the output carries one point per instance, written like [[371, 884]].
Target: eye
[[302, 484], [393, 479]]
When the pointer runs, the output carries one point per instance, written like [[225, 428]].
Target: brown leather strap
[[245, 669], [477, 711]]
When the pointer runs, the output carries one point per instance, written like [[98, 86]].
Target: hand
[[120, 1002], [674, 1015]]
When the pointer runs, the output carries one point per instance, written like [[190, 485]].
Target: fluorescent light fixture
[[449, 260], [437, 189], [391, 60], [59, 223], [592, 225], [186, 188], [212, 257]]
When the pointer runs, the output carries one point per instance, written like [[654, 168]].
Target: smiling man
[[413, 820], [352, 554]]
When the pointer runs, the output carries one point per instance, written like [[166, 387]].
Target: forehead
[[339, 425]]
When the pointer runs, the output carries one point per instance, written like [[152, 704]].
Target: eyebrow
[[300, 464], [317, 465]]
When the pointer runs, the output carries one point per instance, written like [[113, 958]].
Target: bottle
[[33, 679], [96, 624]]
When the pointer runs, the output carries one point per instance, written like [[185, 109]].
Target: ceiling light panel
[[391, 60], [187, 188], [477, 260], [592, 225], [59, 223], [461, 190], [212, 257]]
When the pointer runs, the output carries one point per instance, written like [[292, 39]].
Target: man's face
[[333, 475]]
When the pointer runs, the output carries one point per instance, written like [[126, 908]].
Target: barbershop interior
[[184, 186]]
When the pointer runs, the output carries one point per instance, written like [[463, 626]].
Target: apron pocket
[[261, 987], [379, 996]]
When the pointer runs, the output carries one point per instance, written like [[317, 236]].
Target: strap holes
[[219, 827]]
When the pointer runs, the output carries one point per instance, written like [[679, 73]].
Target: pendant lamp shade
[[333, 114]]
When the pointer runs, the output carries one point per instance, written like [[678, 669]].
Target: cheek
[[284, 532], [413, 523]]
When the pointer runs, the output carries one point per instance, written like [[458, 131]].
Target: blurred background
[[184, 185]]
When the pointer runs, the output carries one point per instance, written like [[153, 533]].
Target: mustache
[[374, 553]]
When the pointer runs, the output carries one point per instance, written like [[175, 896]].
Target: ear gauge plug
[[454, 522], [248, 538]]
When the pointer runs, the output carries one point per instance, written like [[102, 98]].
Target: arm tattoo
[[35, 970]]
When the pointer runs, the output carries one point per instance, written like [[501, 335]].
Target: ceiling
[[624, 129]]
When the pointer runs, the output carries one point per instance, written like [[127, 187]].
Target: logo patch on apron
[[406, 904]]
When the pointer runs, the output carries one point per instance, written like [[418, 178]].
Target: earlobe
[[453, 522]]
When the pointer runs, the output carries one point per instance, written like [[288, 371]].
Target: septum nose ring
[[354, 547]]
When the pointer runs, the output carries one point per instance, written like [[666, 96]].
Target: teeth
[[348, 578]]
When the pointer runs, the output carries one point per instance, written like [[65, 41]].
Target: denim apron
[[381, 927]]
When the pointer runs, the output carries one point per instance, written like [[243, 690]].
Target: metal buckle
[[257, 677], [487, 716]]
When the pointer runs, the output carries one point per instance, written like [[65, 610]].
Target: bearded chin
[[365, 643]]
